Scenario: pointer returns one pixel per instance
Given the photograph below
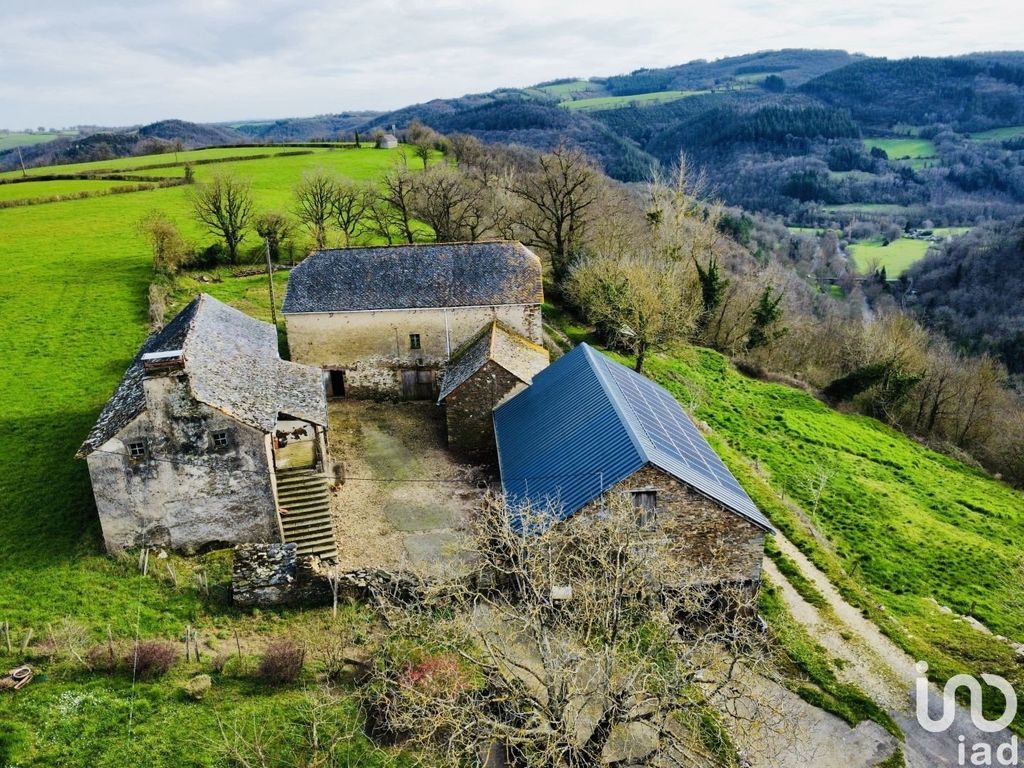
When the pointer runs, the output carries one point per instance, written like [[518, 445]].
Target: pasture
[[896, 257], [903, 149], [12, 139], [907, 529], [73, 285], [618, 102], [999, 134], [565, 89]]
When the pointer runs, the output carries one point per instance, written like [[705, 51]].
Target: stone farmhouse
[[209, 435], [383, 321], [211, 438], [588, 426]]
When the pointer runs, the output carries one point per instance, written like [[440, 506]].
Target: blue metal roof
[[587, 423]]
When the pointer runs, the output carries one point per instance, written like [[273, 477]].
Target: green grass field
[[565, 89], [73, 282], [618, 102], [906, 524], [903, 149], [999, 134], [20, 139], [41, 189], [896, 257]]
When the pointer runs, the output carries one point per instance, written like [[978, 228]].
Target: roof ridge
[[402, 246]]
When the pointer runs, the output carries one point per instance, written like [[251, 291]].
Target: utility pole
[[22, 161], [270, 279]]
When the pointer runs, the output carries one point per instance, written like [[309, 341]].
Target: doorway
[[335, 383]]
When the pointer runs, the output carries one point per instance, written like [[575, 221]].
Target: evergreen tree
[[767, 314], [712, 291]]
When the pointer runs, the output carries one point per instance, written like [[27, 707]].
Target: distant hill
[[110, 143]]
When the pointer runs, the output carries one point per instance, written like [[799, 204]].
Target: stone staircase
[[304, 505]]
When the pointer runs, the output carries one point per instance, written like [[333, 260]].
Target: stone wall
[[704, 536], [269, 575], [186, 492], [469, 408], [373, 347]]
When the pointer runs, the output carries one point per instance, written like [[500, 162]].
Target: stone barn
[[387, 141], [588, 426], [383, 321], [212, 439], [487, 370]]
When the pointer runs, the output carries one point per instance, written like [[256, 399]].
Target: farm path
[[876, 664]]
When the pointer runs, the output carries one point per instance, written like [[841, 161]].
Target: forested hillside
[[973, 291]]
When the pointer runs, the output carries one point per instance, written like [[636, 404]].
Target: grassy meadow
[[12, 139], [896, 257], [74, 308], [903, 149], [999, 134], [617, 102]]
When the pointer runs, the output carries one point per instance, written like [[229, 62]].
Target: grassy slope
[[999, 134], [909, 525], [16, 139], [898, 149], [36, 189], [73, 282], [616, 102], [896, 257]]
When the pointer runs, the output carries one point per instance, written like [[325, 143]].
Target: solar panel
[[674, 436]]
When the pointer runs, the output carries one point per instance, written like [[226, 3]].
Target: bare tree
[[558, 197], [398, 193], [639, 302], [445, 199], [275, 228], [314, 199], [594, 649], [224, 206], [352, 199]]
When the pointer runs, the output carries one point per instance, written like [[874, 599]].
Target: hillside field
[[13, 139], [999, 134], [896, 257], [73, 293], [617, 102]]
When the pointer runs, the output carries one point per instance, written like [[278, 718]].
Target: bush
[[152, 658], [281, 662], [198, 687], [102, 657]]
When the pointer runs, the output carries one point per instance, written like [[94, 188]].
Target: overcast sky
[[108, 62]]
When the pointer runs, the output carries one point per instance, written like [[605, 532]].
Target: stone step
[[308, 524], [294, 502]]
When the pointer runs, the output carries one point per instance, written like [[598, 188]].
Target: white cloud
[[115, 62]]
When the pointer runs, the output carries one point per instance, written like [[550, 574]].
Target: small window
[[646, 504], [137, 449], [221, 439], [414, 341]]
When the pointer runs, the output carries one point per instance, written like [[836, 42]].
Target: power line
[[424, 480]]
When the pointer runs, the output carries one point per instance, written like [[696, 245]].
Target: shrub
[[102, 657], [281, 662], [152, 658], [198, 687]]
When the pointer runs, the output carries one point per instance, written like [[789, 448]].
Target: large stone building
[[383, 321], [588, 426], [483, 374], [210, 439]]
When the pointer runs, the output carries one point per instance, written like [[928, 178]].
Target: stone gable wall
[[469, 408]]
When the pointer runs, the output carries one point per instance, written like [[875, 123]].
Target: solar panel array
[[673, 435]]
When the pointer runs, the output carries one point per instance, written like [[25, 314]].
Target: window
[[414, 341], [221, 439], [137, 449], [646, 504]]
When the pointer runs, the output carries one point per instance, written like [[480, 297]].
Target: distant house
[[383, 321], [487, 370], [387, 141], [211, 438], [588, 426]]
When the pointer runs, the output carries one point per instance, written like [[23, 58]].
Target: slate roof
[[412, 276], [232, 364], [587, 423], [513, 352]]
